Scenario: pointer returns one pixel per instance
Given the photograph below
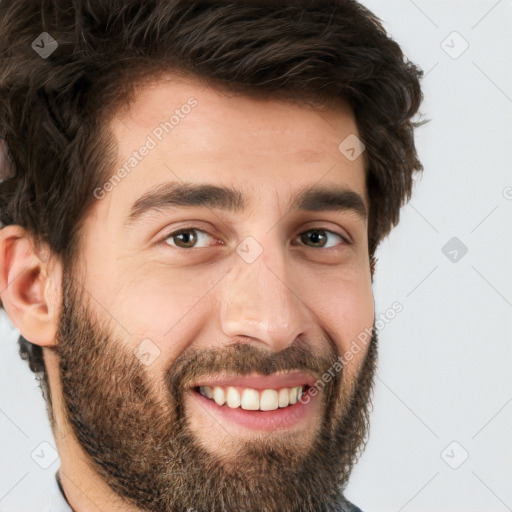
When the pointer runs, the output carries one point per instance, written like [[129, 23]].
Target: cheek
[[168, 307], [346, 308]]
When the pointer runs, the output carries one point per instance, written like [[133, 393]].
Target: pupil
[[186, 238], [317, 237]]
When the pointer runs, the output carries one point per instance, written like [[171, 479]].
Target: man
[[192, 195]]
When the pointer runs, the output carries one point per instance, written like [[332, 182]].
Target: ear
[[29, 286]]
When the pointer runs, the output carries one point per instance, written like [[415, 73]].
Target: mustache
[[241, 358]]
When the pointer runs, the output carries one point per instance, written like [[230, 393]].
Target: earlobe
[[28, 286]]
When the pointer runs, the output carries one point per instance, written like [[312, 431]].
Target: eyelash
[[192, 228]]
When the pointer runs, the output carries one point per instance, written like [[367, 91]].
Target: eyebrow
[[187, 194]]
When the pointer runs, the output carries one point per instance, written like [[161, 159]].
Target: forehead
[[199, 134]]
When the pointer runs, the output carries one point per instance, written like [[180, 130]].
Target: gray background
[[440, 437]]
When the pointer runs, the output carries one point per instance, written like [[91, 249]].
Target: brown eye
[[319, 238], [188, 238]]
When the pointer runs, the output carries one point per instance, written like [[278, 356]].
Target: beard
[[143, 447]]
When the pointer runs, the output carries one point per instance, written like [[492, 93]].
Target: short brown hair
[[53, 110]]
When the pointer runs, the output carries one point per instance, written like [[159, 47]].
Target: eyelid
[[168, 234], [176, 231], [328, 226], [346, 239]]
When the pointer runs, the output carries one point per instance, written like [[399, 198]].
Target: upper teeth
[[252, 399]]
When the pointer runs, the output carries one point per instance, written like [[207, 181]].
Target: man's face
[[242, 295]]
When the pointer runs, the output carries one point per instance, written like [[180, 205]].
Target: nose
[[258, 301]]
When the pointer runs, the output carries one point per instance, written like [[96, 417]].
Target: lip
[[284, 418], [258, 381]]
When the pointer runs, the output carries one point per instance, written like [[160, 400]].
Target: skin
[[134, 283]]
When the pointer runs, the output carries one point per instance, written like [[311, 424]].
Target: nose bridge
[[257, 300]]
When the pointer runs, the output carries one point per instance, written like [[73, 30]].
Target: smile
[[257, 402], [251, 399]]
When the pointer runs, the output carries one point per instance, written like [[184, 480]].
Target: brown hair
[[53, 110]]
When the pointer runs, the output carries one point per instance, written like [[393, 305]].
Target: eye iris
[[186, 238], [316, 236]]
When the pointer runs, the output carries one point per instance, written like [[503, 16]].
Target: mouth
[[257, 402], [250, 399]]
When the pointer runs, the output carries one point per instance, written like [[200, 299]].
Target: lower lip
[[259, 420]]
